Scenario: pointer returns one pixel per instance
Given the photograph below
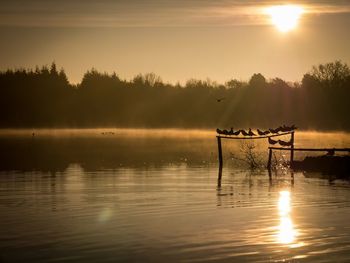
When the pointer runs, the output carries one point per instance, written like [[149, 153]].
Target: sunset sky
[[176, 39]]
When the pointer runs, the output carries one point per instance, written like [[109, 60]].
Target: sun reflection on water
[[286, 232]]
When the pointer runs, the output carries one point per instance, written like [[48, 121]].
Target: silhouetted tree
[[44, 98], [257, 81], [334, 74], [235, 84]]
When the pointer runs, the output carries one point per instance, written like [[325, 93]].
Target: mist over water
[[115, 195], [50, 150], [140, 131]]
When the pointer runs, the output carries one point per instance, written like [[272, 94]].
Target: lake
[[132, 195]]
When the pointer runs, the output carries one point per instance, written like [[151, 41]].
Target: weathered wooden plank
[[220, 158], [252, 137], [312, 149]]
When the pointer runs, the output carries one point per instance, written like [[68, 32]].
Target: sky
[[176, 39]]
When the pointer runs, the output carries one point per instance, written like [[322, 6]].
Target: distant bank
[[44, 98]]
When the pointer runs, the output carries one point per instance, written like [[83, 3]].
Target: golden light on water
[[284, 203], [286, 232], [285, 17]]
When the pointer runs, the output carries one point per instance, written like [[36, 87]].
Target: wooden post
[[220, 158], [269, 161], [292, 149]]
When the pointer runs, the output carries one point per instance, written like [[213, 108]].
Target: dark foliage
[[45, 98]]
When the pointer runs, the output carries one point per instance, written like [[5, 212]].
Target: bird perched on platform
[[244, 133], [283, 143], [293, 127], [274, 130], [261, 133], [251, 133], [236, 132], [280, 129], [284, 128], [271, 141]]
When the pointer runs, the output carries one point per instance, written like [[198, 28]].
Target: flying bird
[[220, 99]]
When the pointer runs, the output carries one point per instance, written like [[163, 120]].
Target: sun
[[285, 17]]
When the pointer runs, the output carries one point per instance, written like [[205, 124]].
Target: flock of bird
[[280, 142], [283, 128], [107, 133]]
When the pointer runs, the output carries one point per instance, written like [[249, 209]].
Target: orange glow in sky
[[285, 17]]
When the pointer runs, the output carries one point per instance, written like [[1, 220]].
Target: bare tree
[[250, 155]]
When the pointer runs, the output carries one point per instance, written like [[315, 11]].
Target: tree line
[[44, 98]]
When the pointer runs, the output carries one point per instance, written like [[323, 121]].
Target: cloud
[[142, 13]]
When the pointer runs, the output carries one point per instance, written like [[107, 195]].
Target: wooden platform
[[312, 149]]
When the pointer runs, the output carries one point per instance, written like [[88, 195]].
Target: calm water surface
[[152, 196]]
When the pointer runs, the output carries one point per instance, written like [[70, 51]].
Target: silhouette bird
[[284, 128], [283, 143], [244, 133], [220, 99], [251, 133], [266, 132], [293, 127], [261, 133], [288, 128], [280, 129], [231, 131], [271, 141], [236, 132], [274, 130]]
